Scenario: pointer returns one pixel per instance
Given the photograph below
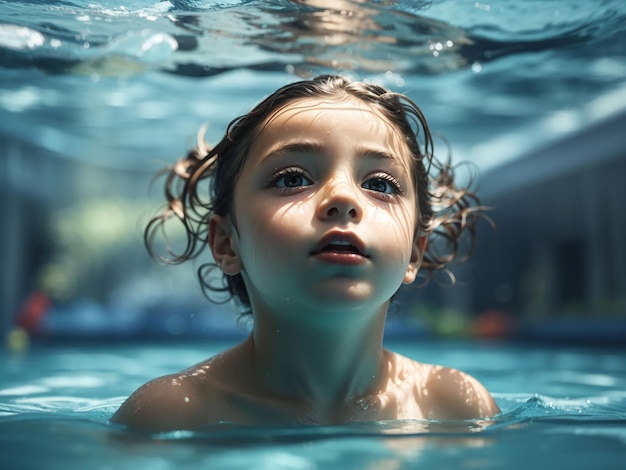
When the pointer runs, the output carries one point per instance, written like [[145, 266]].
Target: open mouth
[[340, 247], [340, 244]]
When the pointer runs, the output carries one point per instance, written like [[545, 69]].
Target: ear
[[417, 255], [223, 245]]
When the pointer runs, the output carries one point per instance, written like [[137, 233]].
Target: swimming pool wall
[[559, 257], [554, 267]]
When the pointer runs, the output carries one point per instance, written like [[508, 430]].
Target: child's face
[[325, 210]]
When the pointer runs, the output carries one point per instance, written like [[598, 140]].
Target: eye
[[290, 178], [383, 183]]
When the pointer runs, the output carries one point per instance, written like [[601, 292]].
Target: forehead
[[341, 119]]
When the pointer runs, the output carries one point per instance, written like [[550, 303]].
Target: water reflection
[[303, 35], [300, 36]]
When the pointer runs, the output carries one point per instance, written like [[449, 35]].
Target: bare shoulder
[[453, 394], [176, 401]]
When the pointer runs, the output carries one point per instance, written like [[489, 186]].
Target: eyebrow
[[315, 147]]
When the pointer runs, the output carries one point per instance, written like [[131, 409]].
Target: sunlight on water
[[128, 84], [153, 72]]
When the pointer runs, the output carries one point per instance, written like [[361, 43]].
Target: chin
[[353, 300]]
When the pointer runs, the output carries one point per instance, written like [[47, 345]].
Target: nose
[[340, 202]]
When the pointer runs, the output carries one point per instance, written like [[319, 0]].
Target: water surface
[[129, 83], [561, 408]]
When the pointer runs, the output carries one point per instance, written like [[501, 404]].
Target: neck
[[324, 364]]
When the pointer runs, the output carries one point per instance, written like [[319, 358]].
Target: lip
[[348, 258]]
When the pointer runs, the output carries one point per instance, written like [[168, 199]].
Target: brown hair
[[445, 212]]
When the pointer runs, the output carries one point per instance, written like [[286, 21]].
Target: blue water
[[127, 84], [562, 407]]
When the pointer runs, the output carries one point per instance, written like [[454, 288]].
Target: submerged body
[[230, 388], [324, 212]]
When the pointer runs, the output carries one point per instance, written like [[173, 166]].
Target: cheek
[[396, 230], [273, 228]]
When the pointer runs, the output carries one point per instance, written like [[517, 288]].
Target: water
[[561, 407], [127, 84]]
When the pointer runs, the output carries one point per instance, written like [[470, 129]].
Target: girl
[[321, 205]]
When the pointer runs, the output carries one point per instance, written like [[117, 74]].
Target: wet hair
[[446, 213]]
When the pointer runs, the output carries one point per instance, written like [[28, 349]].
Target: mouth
[[340, 244]]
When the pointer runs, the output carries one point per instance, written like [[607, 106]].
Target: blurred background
[[96, 97]]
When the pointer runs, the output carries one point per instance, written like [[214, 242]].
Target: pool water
[[496, 78], [127, 84], [562, 407]]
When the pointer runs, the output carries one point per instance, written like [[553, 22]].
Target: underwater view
[[126, 84], [96, 97]]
